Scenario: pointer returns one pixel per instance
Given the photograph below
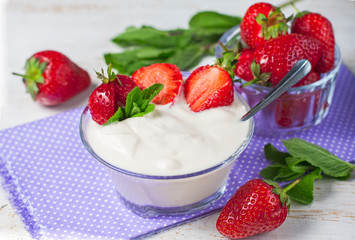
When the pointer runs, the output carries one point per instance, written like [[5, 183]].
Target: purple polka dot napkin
[[61, 192]]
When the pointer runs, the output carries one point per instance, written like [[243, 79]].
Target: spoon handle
[[297, 72]]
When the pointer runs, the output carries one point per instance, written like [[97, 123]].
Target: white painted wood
[[83, 29]]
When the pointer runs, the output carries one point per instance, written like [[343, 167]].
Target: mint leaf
[[137, 103], [213, 20], [143, 46], [297, 164], [274, 155], [270, 171], [303, 191], [150, 108], [346, 177], [130, 60], [319, 157], [149, 93], [279, 173], [186, 57], [134, 96], [145, 36], [135, 110], [118, 116], [151, 52]]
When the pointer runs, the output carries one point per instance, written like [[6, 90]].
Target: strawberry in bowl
[[261, 66]]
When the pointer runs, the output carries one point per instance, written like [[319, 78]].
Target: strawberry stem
[[294, 6], [34, 75], [291, 185], [228, 62], [225, 49], [250, 82], [20, 75], [286, 4], [111, 76]]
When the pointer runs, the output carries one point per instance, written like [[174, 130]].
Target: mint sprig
[[318, 157], [303, 191], [137, 103], [305, 160], [184, 47]]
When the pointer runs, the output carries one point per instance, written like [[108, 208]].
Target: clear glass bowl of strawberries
[[268, 45]]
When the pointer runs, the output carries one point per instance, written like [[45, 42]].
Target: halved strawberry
[[208, 87], [165, 73]]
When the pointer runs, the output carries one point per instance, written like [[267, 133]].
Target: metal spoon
[[297, 72]]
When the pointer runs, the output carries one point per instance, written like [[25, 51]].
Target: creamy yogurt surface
[[171, 140]]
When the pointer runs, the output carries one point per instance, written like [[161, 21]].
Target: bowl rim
[[234, 32], [86, 112]]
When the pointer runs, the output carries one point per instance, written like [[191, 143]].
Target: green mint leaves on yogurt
[[137, 103]]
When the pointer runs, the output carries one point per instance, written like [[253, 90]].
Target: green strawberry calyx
[[284, 199], [228, 60], [259, 78], [111, 75], [273, 25], [34, 75], [299, 13]]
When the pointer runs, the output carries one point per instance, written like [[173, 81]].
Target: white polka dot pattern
[[63, 193]]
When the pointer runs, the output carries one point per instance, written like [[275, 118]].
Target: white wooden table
[[83, 29]]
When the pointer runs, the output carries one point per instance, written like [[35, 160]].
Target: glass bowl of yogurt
[[297, 109], [173, 160]]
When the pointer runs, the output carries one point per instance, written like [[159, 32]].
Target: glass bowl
[[150, 196], [297, 109]]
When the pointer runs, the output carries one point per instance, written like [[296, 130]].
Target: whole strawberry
[[52, 78], [319, 27], [109, 95], [277, 56], [242, 68], [258, 206], [261, 22], [311, 77]]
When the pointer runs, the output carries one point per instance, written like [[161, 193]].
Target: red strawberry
[[52, 78], [277, 56], [109, 96], [291, 110], [123, 88], [255, 208], [311, 77], [242, 68], [319, 27], [165, 73], [208, 87], [261, 22]]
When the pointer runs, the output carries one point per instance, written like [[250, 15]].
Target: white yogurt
[[172, 140]]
